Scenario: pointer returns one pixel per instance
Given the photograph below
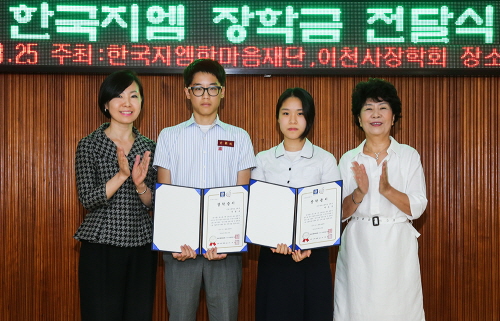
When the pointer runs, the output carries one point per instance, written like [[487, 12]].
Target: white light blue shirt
[[204, 160]]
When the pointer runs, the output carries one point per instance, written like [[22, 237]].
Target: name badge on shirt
[[225, 143]]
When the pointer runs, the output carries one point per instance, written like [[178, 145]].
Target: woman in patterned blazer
[[117, 268]]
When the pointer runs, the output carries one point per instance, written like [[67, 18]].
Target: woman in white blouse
[[294, 286], [378, 272]]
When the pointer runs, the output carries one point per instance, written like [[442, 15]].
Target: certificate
[[200, 218], [303, 218]]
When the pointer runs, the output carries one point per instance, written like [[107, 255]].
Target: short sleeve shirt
[[313, 166], [204, 160]]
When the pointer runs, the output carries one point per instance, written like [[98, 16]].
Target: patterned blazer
[[122, 220]]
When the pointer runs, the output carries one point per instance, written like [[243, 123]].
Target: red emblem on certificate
[[225, 143]]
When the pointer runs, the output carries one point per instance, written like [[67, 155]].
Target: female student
[[294, 285]]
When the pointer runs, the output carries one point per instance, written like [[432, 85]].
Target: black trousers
[[117, 283]]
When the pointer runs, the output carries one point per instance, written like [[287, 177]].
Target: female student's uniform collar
[[306, 152]]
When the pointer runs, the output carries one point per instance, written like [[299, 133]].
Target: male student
[[203, 152]]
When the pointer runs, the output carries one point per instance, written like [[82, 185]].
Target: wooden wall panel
[[451, 121]]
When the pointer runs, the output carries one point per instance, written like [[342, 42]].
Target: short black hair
[[114, 85], [308, 108], [378, 90], [204, 65]]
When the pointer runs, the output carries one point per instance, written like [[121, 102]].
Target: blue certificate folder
[[303, 218], [200, 218]]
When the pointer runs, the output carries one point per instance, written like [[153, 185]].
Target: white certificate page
[[270, 214], [224, 217], [319, 216], [176, 218]]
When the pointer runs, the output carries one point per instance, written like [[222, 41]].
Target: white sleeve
[[415, 186], [258, 171], [330, 170], [346, 174], [162, 153], [247, 156]]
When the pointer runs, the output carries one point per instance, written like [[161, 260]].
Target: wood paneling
[[452, 122]]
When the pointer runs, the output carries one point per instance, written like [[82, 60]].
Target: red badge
[[225, 143]]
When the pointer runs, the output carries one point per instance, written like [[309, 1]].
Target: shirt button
[[290, 169]]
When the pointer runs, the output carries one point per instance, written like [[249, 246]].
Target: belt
[[376, 220]]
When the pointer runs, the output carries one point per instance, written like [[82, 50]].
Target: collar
[[394, 148], [100, 131], [306, 152], [217, 121]]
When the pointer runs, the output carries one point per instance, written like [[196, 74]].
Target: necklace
[[378, 154]]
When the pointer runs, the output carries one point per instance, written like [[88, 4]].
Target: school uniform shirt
[[306, 284], [204, 160], [123, 220], [378, 272], [313, 166]]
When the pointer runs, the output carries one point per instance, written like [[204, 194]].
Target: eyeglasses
[[198, 91]]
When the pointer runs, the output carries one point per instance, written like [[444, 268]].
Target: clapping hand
[[140, 169]]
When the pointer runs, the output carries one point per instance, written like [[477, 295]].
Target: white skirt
[[378, 273]]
